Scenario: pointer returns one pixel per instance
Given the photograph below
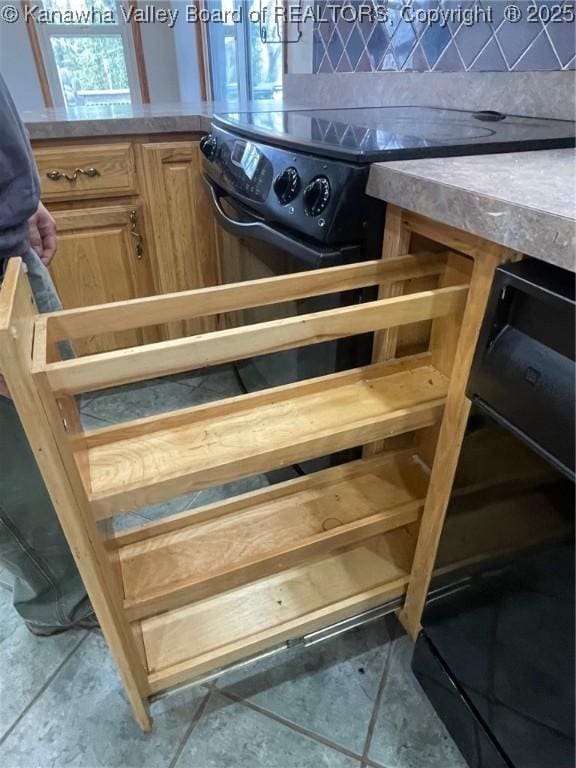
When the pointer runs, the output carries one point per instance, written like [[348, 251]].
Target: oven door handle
[[310, 254]]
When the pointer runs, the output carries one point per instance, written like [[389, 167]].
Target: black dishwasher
[[496, 653]]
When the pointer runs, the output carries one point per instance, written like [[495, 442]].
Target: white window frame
[[214, 35], [47, 31]]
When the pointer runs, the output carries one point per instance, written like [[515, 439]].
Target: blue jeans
[[48, 589]]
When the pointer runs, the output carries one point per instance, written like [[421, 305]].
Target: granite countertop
[[524, 200], [125, 119]]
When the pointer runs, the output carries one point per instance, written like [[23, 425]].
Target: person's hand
[[42, 234], [3, 388]]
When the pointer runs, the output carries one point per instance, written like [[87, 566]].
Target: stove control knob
[[287, 185], [209, 146], [316, 196]]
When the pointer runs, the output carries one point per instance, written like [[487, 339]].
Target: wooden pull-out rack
[[197, 591]]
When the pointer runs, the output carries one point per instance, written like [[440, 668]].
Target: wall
[[160, 59], [187, 61], [18, 68], [478, 38]]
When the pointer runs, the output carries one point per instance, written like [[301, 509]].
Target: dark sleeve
[[19, 186]]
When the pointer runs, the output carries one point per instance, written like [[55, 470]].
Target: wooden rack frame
[[197, 591]]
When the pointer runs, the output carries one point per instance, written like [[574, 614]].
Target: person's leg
[[48, 590]]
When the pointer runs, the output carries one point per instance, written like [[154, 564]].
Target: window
[[245, 50], [89, 60]]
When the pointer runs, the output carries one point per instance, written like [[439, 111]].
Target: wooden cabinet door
[[102, 257], [182, 224]]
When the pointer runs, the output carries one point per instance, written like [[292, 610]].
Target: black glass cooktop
[[371, 134]]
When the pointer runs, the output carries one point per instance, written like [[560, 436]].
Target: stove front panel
[[318, 198]]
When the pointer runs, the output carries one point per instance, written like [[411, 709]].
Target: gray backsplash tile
[[455, 25], [344, 29], [434, 40], [515, 39], [364, 64], [490, 59], [562, 38], [402, 43], [326, 28], [335, 49], [355, 47], [497, 11], [344, 64], [376, 46], [472, 40], [388, 63], [539, 53], [450, 60], [416, 61], [543, 39]]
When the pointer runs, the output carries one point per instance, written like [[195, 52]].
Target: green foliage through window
[[90, 64]]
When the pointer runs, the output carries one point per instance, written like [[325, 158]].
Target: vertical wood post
[[396, 243], [444, 338], [450, 438]]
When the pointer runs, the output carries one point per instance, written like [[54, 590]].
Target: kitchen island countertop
[[116, 120], [523, 200], [130, 120]]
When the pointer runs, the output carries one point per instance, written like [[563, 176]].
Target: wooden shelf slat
[[201, 302], [192, 641], [269, 531], [124, 366], [131, 466]]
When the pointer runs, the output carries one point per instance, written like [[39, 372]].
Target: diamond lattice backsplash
[[463, 35]]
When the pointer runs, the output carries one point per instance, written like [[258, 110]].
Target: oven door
[[251, 249], [238, 220]]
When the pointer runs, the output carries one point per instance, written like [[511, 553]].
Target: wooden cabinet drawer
[[84, 172]]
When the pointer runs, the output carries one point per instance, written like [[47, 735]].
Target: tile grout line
[[527, 50], [186, 387], [189, 730], [185, 508], [289, 724], [82, 412], [43, 688], [377, 703], [190, 386], [551, 41]]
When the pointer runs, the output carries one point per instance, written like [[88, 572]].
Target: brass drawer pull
[[56, 175], [134, 232]]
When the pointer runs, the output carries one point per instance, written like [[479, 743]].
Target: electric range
[[305, 171]]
